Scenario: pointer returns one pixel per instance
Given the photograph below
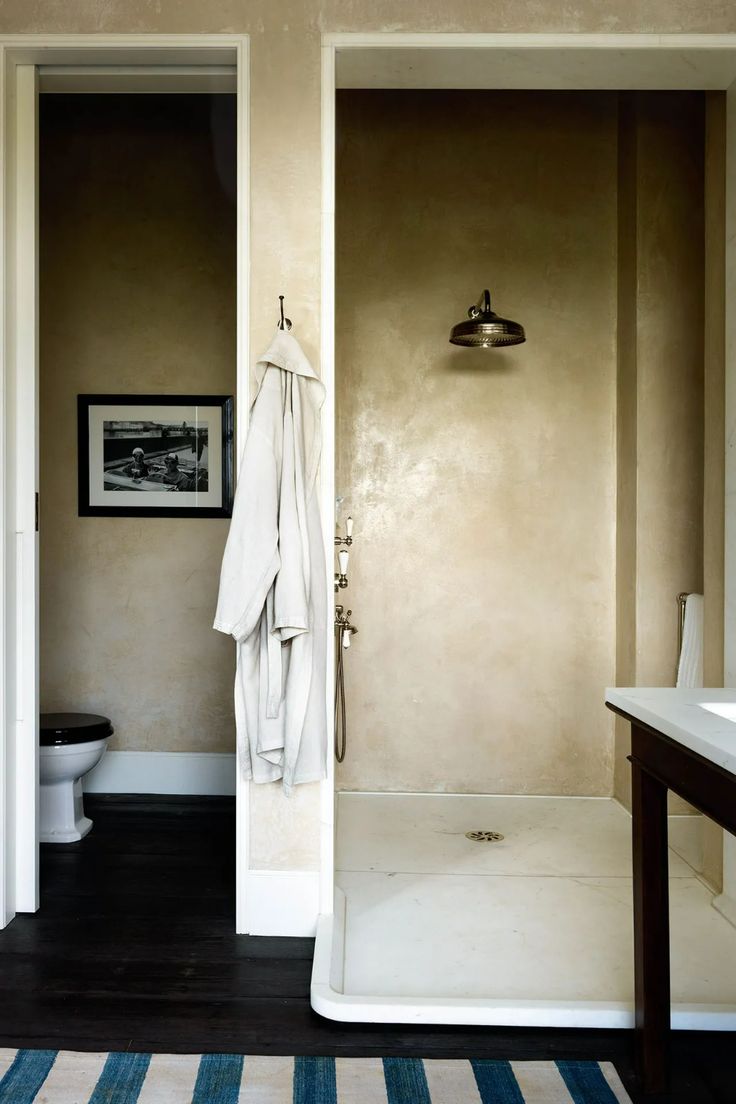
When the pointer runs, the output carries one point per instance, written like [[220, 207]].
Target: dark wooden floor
[[133, 948]]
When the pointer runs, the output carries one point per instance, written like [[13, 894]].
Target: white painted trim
[[18, 472], [7, 861], [327, 469], [20, 480], [242, 792], [525, 61], [163, 772], [123, 49], [25, 476], [282, 902]]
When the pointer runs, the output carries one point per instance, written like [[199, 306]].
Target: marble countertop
[[681, 715]]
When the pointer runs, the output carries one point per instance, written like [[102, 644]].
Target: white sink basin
[[723, 709]]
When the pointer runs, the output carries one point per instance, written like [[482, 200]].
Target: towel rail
[[681, 600]]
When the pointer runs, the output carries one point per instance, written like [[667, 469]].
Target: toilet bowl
[[71, 745]]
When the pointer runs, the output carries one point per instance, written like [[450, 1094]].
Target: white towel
[[690, 667]]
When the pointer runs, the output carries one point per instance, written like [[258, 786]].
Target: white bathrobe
[[273, 583]]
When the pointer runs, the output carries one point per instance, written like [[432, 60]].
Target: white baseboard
[[281, 902], [163, 772]]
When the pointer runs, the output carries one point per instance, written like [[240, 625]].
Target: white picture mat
[[193, 415]]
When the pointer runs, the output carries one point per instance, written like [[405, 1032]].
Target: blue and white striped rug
[[68, 1077]]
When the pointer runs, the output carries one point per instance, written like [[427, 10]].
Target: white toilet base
[[62, 818], [62, 813], [78, 833]]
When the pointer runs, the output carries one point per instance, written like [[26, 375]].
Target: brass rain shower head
[[485, 329]]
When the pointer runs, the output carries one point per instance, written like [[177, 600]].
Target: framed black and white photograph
[[155, 455]]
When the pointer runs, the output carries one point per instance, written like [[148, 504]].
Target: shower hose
[[341, 721]]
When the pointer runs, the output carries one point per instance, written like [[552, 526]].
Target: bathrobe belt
[[275, 671]]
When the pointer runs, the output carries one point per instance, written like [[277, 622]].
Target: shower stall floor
[[534, 929]]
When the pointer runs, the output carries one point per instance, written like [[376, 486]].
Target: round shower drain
[[484, 837]]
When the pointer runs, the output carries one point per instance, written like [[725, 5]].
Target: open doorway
[[478, 800], [383, 463], [137, 297], [158, 68]]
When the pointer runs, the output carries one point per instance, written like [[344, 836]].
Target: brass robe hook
[[285, 323]]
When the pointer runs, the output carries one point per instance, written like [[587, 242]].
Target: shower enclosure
[[522, 546]]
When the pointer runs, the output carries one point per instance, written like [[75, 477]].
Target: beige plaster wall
[[669, 373], [660, 411], [714, 385], [626, 428], [285, 135], [714, 424], [482, 483], [137, 265]]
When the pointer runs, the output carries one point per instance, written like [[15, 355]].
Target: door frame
[[90, 62], [544, 50]]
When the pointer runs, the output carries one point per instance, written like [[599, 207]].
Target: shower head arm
[[483, 306]]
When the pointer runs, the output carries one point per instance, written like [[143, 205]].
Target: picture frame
[[155, 455]]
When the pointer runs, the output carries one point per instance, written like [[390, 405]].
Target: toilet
[[71, 745]]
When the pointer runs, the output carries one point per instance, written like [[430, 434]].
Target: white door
[[20, 433]]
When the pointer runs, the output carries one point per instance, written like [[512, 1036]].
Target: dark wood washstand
[[663, 757]]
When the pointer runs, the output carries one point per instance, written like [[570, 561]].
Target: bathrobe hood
[[286, 352]]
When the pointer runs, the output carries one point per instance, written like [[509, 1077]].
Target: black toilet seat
[[58, 729]]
